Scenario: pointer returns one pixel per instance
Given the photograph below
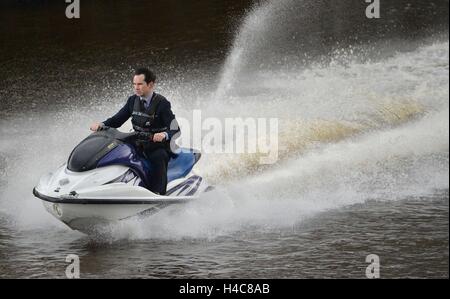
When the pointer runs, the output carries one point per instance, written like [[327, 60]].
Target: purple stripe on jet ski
[[192, 192], [184, 189], [157, 208], [189, 181]]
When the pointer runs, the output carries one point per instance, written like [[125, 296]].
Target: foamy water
[[353, 128], [372, 135]]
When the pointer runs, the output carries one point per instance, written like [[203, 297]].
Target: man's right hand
[[96, 126]]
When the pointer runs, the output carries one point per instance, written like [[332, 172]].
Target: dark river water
[[363, 126]]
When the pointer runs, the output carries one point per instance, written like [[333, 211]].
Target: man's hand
[[96, 126], [159, 137]]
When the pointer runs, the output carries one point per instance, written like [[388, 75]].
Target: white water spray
[[350, 132]]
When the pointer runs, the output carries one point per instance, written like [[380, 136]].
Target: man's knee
[[158, 155]]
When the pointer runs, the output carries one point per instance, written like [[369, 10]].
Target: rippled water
[[363, 111], [411, 241]]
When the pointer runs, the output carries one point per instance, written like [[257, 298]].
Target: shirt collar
[[148, 98]]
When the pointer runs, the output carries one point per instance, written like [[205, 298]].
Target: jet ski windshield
[[86, 155]]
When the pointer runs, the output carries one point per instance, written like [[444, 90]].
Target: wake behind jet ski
[[106, 179]]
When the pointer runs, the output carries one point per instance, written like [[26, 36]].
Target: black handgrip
[[103, 128], [144, 136]]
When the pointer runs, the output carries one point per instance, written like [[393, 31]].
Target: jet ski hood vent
[[86, 155]]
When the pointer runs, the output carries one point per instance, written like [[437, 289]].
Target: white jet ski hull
[[90, 207]]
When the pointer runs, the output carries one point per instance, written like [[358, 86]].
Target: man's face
[[141, 88]]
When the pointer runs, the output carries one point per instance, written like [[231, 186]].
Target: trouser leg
[[159, 159]]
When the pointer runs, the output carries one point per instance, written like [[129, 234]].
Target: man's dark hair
[[149, 75]]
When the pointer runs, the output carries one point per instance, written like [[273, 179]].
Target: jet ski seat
[[181, 164]]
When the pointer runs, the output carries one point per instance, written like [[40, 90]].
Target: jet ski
[[106, 180]]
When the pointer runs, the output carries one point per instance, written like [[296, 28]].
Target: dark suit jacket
[[164, 117]]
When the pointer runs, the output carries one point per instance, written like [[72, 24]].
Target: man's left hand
[[159, 137]]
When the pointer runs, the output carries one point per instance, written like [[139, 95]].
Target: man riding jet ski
[[106, 179], [150, 112], [109, 176]]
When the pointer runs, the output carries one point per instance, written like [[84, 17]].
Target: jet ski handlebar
[[127, 137]]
